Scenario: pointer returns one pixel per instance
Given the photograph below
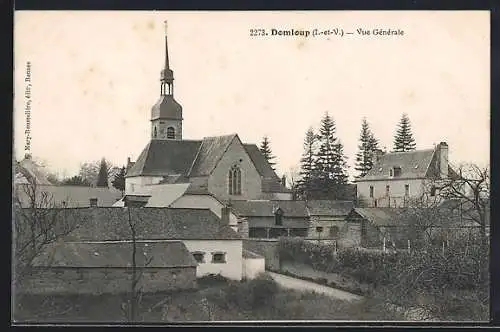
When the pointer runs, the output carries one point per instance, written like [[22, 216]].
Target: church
[[221, 166]]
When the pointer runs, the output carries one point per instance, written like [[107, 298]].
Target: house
[[397, 178], [371, 227], [222, 166], [272, 219], [107, 268], [327, 218]]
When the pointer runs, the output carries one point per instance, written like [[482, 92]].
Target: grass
[[216, 300]]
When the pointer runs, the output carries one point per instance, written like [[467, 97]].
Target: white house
[[397, 177]]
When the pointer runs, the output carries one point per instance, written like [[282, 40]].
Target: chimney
[[225, 215], [377, 154], [443, 159], [283, 181], [93, 202]]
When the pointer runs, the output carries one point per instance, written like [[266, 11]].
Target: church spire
[[167, 75]]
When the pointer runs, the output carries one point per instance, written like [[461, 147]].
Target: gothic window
[[170, 133], [234, 181]]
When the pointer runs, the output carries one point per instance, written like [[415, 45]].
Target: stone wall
[[269, 248], [106, 280]]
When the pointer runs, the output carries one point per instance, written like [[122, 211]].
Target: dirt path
[[298, 284]]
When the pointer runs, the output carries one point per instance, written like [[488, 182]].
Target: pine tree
[[119, 180], [265, 148], [102, 177], [368, 145], [330, 162], [307, 163], [403, 140]]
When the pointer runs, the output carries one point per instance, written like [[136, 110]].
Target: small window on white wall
[[199, 256], [218, 257]]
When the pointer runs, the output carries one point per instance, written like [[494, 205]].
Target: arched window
[[170, 133], [234, 181], [154, 132]]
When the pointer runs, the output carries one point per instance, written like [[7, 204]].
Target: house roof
[[329, 207], [210, 152], [165, 157], [166, 108], [250, 254], [69, 196], [378, 216], [266, 208], [104, 224], [115, 255], [414, 165]]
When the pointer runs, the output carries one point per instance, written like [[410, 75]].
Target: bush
[[252, 294], [320, 256], [212, 280]]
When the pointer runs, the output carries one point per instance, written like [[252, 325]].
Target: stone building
[[399, 177], [223, 165]]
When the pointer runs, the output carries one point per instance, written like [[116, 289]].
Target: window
[[278, 217], [199, 256], [234, 181], [407, 190], [93, 202], [387, 190], [319, 229], [170, 133], [390, 172], [371, 191], [397, 171], [334, 231], [218, 257], [155, 133], [433, 191]]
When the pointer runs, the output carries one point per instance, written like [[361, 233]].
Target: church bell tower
[[166, 114]]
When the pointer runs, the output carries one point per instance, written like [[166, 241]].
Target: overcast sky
[[95, 76]]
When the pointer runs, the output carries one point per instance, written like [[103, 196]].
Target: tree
[[119, 180], [76, 180], [265, 148], [89, 171], [330, 161], [307, 164], [132, 305], [403, 140], [38, 222], [368, 145], [102, 177]]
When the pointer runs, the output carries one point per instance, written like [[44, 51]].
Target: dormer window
[[278, 217], [397, 171]]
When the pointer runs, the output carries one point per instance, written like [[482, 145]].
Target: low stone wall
[[106, 280], [269, 248]]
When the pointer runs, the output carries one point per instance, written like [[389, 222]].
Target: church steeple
[[167, 75], [166, 114]]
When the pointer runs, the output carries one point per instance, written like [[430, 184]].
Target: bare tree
[[470, 189], [132, 305]]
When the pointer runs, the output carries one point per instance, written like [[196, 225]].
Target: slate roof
[[329, 208], [71, 196], [379, 216], [104, 224], [166, 108], [250, 254], [165, 157], [115, 255], [271, 183], [414, 165], [210, 152], [266, 208]]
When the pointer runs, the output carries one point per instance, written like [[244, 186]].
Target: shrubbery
[[429, 278]]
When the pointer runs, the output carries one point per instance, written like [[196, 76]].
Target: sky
[[95, 76]]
